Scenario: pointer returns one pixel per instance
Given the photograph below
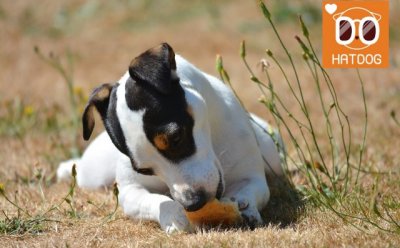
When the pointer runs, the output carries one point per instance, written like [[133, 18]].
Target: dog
[[176, 138]]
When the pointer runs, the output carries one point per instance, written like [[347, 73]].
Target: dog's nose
[[195, 200]]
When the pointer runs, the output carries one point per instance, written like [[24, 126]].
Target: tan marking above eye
[[189, 110], [161, 141]]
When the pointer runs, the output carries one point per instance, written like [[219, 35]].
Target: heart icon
[[330, 8]]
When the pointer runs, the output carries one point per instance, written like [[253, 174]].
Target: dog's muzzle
[[197, 200], [200, 198]]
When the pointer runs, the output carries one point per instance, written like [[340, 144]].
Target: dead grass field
[[103, 36]]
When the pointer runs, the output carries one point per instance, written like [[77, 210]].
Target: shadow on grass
[[285, 204]]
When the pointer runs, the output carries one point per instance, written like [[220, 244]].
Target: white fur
[[226, 140]]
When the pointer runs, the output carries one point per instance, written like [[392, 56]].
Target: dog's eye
[[176, 138], [170, 139]]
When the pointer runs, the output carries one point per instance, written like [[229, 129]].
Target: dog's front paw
[[173, 218], [251, 218]]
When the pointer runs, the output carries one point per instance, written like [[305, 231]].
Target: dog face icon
[[357, 28], [355, 33]]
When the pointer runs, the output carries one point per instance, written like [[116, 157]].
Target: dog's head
[[161, 127]]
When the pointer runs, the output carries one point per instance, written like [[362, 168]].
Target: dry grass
[[104, 37]]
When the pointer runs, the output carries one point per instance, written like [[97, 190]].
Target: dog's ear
[[155, 67], [99, 99]]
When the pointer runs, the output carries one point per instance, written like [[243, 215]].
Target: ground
[[37, 128]]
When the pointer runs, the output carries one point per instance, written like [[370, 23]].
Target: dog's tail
[[97, 166], [90, 176], [64, 171]]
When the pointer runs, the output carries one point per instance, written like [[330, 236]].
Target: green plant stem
[[307, 116], [338, 110], [15, 205], [66, 74], [329, 129], [362, 148]]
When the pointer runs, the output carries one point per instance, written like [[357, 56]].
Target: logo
[[355, 34]]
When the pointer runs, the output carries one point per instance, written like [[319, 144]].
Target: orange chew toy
[[214, 213]]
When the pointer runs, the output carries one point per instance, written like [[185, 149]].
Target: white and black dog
[[176, 138]]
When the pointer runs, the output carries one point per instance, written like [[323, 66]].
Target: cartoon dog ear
[[155, 67], [99, 99], [377, 16], [336, 16]]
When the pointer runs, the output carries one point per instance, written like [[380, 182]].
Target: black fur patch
[[220, 188], [153, 68], [154, 87], [112, 125], [164, 114]]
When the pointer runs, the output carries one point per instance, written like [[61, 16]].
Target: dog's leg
[[139, 203], [251, 194]]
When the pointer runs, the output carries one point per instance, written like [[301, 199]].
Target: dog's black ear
[[99, 99], [155, 67]]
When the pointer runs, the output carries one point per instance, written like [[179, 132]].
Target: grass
[[77, 99], [18, 226], [340, 192], [332, 179]]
